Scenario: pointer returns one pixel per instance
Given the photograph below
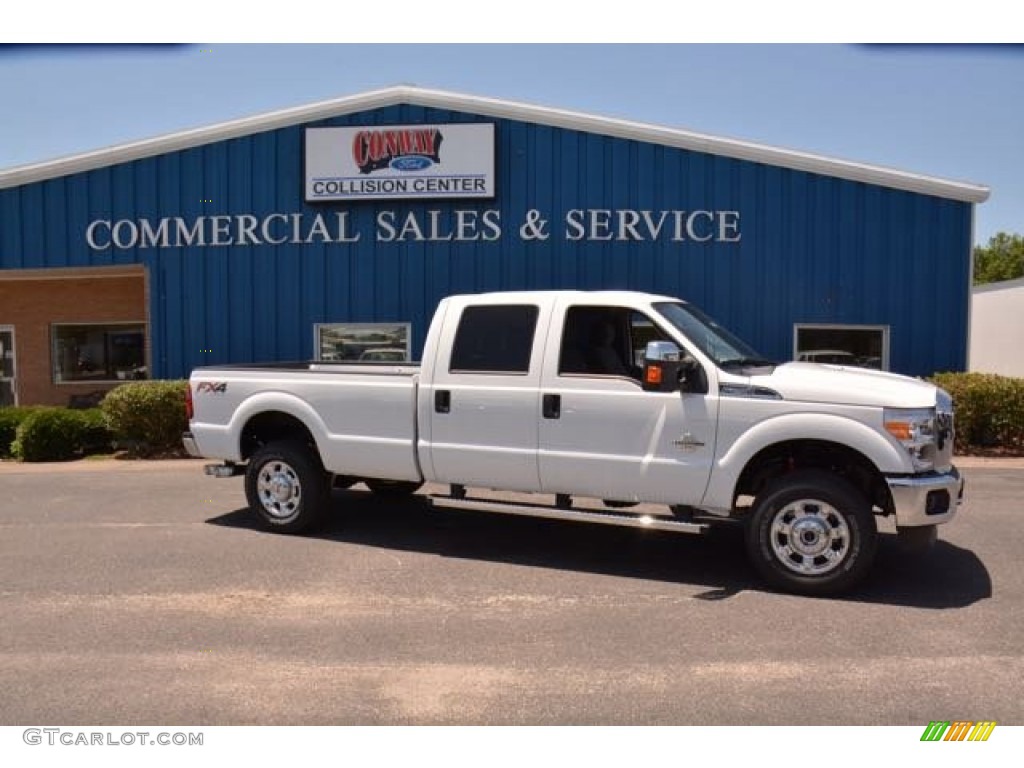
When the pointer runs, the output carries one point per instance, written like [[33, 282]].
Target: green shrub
[[989, 411], [58, 434], [10, 417], [96, 434], [147, 414]]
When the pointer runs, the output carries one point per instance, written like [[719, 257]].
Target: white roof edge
[[672, 137]]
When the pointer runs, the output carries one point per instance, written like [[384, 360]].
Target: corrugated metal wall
[[814, 249]]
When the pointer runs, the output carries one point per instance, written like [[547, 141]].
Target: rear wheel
[[812, 533], [287, 487], [393, 488]]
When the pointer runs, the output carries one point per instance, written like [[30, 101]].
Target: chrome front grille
[[944, 431]]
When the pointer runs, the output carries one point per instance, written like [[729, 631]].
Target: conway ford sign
[[394, 162]]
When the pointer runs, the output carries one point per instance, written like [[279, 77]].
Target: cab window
[[605, 341], [494, 339]]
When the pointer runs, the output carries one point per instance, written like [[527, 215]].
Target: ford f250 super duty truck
[[618, 398]]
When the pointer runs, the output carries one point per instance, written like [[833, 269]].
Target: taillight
[[188, 402]]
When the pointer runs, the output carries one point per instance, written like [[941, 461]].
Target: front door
[[610, 438], [8, 391]]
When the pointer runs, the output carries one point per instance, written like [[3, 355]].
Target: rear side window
[[494, 339]]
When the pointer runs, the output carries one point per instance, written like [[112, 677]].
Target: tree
[[1001, 259]]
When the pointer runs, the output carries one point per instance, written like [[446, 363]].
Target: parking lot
[[141, 593]]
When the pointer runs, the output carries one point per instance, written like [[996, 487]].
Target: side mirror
[[662, 366], [665, 370]]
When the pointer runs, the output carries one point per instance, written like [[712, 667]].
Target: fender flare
[[884, 453], [282, 402]]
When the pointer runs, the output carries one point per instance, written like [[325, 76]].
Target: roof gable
[[578, 121]]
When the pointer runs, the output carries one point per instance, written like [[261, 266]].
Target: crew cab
[[591, 403]]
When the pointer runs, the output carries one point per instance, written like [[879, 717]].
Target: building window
[[862, 346], [366, 342], [99, 352], [494, 339]]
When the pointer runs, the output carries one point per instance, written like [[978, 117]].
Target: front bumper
[[926, 499], [190, 445]]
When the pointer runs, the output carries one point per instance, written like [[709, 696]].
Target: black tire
[[394, 489], [287, 487], [812, 533]]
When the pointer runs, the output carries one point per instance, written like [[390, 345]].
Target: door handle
[[551, 406], [442, 401]]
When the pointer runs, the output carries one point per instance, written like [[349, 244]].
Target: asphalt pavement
[[143, 592]]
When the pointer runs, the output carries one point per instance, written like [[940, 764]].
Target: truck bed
[[362, 415]]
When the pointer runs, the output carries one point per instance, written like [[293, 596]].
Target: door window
[[606, 341], [494, 339]]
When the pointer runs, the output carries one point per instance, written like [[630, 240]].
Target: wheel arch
[[845, 436], [270, 426], [788, 456], [263, 419]]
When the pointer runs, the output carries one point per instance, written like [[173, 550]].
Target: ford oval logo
[[411, 163]]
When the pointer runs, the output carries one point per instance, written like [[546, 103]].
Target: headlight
[[915, 429]]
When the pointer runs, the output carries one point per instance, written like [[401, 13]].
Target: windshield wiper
[[747, 362]]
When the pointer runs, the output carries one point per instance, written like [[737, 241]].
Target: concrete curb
[[989, 462], [99, 465]]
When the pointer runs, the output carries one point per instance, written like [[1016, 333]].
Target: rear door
[[483, 401]]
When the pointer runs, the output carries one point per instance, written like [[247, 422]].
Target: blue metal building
[[249, 245]]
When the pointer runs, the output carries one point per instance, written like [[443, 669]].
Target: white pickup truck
[[590, 403]]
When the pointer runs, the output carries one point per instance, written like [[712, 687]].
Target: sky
[[954, 112]]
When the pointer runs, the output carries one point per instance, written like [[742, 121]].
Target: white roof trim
[[672, 137]]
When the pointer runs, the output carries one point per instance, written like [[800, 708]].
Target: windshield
[[713, 340]]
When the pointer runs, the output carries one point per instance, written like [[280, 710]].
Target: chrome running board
[[555, 513]]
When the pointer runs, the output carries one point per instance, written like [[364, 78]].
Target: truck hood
[[823, 383]]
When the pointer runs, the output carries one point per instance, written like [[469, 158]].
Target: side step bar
[[580, 516]]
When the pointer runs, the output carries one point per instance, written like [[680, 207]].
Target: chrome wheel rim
[[279, 489], [809, 537]]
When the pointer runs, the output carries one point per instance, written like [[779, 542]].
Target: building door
[[8, 392]]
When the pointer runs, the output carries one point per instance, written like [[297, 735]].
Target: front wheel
[[287, 487], [812, 533]]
